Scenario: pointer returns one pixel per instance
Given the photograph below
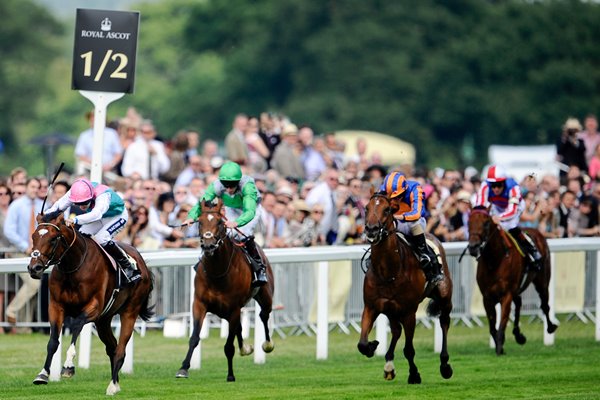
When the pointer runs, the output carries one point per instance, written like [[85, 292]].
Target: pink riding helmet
[[81, 191]]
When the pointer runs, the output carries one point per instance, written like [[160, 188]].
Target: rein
[[36, 253], [489, 235], [382, 232], [220, 240]]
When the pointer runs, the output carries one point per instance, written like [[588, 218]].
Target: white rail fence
[[324, 258]]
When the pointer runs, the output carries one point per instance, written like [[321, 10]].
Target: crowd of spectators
[[312, 194]]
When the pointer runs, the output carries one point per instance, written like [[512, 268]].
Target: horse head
[[211, 227], [50, 242], [379, 217], [481, 226]]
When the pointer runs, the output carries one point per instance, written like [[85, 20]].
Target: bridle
[[61, 239], [220, 237], [381, 233], [484, 236]]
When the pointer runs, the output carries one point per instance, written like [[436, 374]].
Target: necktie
[[333, 213], [149, 165], [32, 221]]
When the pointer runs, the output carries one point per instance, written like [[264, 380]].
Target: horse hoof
[[182, 373], [113, 388], [246, 350], [67, 372], [41, 379], [231, 378], [552, 328], [446, 371], [268, 347], [521, 339], [389, 371], [414, 378]]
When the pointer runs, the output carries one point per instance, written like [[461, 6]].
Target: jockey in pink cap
[[104, 215]]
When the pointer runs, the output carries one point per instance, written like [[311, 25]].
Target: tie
[[32, 221], [333, 213], [149, 165]]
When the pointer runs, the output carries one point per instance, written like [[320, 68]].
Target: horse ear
[[394, 205], [40, 218], [372, 190]]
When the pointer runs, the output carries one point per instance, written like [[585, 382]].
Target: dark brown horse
[[394, 285], [502, 273], [84, 285], [223, 286]]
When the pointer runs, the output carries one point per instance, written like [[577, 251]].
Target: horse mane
[[480, 208], [51, 216]]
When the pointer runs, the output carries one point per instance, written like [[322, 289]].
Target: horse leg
[[366, 324], [199, 312], [127, 324], [265, 301], [105, 334], [389, 370], [504, 314], [519, 337], [56, 317], [68, 369], [229, 349], [490, 312], [245, 349], [445, 367], [541, 283], [409, 349]]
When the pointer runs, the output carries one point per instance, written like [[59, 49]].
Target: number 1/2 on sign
[[117, 73]]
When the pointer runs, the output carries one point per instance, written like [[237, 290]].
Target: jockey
[[241, 199], [104, 216], [504, 194], [410, 219]]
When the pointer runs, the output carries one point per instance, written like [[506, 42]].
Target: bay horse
[[84, 285], [222, 286], [502, 273], [395, 285]]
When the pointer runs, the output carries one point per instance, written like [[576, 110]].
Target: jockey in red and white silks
[[504, 194]]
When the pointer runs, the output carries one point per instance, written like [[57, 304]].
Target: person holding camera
[[570, 149]]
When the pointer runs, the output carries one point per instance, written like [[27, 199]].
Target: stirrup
[[260, 278]]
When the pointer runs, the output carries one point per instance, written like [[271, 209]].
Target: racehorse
[[222, 286], [502, 273], [394, 285], [85, 286]]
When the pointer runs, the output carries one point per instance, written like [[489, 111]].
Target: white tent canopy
[[392, 150]]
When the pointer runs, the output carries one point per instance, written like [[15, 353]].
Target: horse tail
[[147, 311], [433, 308]]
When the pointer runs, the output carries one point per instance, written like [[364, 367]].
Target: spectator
[[287, 157], [567, 227], [258, 152], [193, 141], [146, 156], [269, 133], [18, 176], [532, 211], [301, 230], [112, 151], [312, 161], [197, 187], [4, 244], [43, 192], [139, 232], [194, 170], [324, 194], [19, 226], [586, 218], [158, 217], [549, 223], [570, 150], [590, 136], [235, 144], [178, 157]]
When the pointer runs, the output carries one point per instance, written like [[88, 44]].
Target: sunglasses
[[230, 184], [496, 185]]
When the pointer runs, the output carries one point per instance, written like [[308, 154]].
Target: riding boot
[[260, 276], [132, 274], [427, 259], [533, 255]]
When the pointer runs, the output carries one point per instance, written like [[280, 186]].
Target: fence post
[[322, 310], [598, 296]]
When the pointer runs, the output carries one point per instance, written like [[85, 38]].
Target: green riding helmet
[[230, 172]]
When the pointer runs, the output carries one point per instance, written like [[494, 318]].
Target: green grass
[[567, 370]]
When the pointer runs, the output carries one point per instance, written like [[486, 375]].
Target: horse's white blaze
[[112, 389], [210, 217], [71, 352], [377, 202], [42, 232]]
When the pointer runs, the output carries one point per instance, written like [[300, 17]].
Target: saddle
[[430, 244]]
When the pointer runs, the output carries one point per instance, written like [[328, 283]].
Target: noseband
[[382, 232], [210, 236], [486, 235], [61, 238]]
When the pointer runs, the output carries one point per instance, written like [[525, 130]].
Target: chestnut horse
[[394, 285], [222, 286], [84, 285], [502, 273]]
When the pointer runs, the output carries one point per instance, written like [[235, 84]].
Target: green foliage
[[434, 73]]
